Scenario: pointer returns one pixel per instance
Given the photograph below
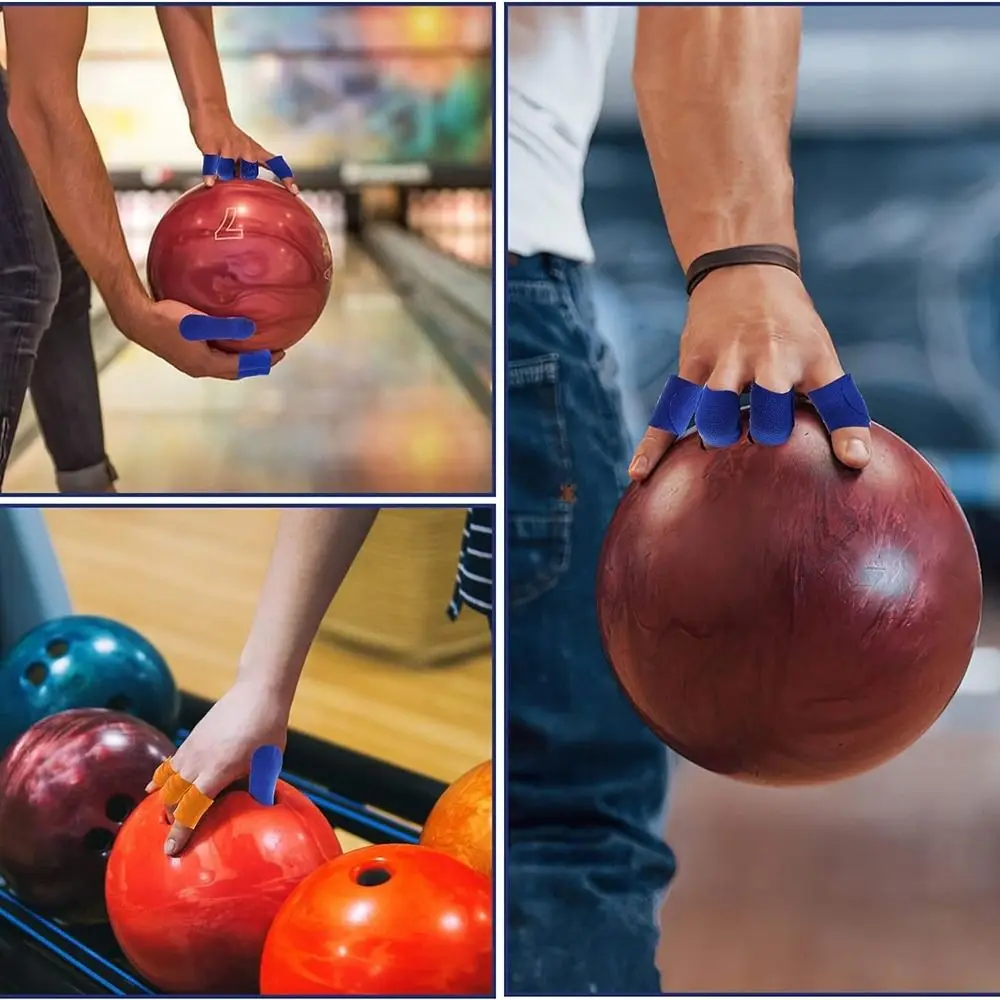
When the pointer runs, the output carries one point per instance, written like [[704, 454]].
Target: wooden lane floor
[[188, 579], [885, 883], [364, 404]]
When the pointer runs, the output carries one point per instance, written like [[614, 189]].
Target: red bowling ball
[[66, 787], [388, 920], [779, 618], [197, 923], [244, 248]]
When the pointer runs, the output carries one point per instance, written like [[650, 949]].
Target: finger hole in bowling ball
[[36, 674], [119, 703], [57, 648], [118, 807], [98, 840], [372, 875]]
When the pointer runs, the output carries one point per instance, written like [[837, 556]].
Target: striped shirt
[[474, 579]]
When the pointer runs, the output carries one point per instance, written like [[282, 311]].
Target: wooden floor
[[188, 579], [364, 404], [886, 883]]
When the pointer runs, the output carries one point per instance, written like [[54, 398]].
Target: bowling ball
[[388, 920], [82, 661], [779, 618], [196, 923], [66, 787], [461, 822], [244, 248]]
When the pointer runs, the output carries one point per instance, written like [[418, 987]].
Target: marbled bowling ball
[[66, 787], [244, 248], [779, 618], [84, 661]]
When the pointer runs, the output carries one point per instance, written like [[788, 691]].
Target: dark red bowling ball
[[66, 786], [776, 617], [244, 248], [388, 920], [196, 923]]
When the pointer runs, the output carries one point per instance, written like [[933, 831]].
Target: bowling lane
[[886, 883], [365, 404]]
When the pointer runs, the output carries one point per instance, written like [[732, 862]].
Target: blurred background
[[385, 114], [889, 882]]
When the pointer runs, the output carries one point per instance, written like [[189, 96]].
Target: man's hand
[[218, 752], [215, 133], [155, 326], [757, 324]]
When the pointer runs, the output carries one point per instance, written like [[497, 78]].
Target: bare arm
[[189, 33], [715, 87], [44, 45], [314, 549]]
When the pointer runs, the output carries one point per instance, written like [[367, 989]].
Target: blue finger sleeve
[[227, 168], [254, 363], [265, 767], [197, 327], [249, 171], [676, 405], [718, 417], [772, 415], [279, 167], [210, 165], [840, 404]]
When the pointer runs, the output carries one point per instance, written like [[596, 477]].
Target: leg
[[29, 280], [587, 781], [64, 385]]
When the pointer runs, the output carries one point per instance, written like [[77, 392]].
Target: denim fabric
[[587, 782], [45, 337]]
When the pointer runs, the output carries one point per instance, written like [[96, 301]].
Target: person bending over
[[48, 154]]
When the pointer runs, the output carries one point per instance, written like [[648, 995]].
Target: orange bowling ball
[[461, 822], [393, 919], [196, 923]]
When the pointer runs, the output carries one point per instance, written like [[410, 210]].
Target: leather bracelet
[[755, 253]]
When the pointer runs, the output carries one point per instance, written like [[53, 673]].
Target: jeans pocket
[[539, 512]]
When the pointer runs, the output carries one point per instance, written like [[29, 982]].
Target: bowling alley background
[[385, 114], [395, 701], [887, 882]]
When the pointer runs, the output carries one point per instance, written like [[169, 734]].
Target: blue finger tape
[[227, 168], [772, 415], [197, 327], [248, 171], [676, 405], [254, 363], [265, 767], [210, 165], [718, 417], [279, 167], [840, 404]]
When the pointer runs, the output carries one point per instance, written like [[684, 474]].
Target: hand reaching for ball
[[216, 753]]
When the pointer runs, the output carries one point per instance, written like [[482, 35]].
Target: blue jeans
[[45, 337], [587, 865]]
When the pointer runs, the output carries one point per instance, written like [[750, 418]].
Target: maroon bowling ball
[[776, 617], [244, 248], [66, 787]]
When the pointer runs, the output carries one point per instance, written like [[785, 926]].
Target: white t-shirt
[[557, 57]]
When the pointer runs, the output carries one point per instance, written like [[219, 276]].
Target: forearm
[[189, 33], [313, 551], [715, 88], [53, 132]]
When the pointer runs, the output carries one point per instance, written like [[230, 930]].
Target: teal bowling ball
[[83, 661]]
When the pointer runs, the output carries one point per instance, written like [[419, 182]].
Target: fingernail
[[857, 450], [170, 846], [295, 189], [639, 466]]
